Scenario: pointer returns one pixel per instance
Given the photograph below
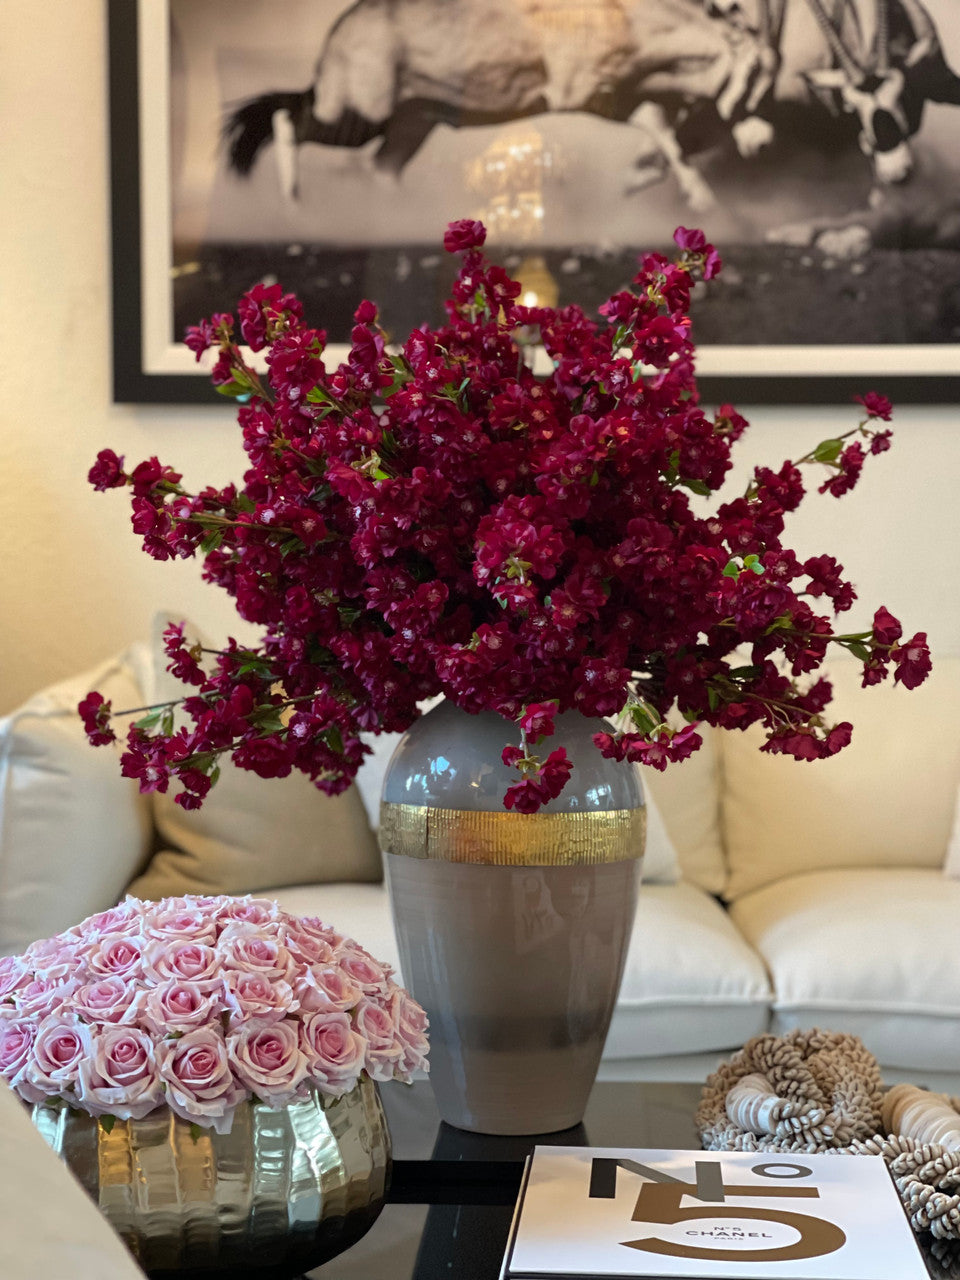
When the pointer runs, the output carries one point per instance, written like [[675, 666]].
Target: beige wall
[[74, 585]]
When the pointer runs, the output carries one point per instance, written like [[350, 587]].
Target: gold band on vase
[[508, 839]]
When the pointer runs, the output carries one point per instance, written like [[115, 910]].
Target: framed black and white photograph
[[325, 144]]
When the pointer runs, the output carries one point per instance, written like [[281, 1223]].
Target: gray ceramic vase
[[512, 928], [281, 1193]]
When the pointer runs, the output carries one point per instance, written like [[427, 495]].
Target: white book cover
[[617, 1212]]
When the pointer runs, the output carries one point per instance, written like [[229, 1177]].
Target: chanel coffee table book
[[605, 1212]]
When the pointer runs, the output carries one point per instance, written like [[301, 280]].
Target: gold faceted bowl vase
[[283, 1192]]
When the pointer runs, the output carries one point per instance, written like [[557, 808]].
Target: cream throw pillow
[[253, 833], [72, 830], [687, 796], [884, 801]]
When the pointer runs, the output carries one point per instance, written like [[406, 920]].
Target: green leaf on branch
[[252, 662], [149, 721], [713, 698], [731, 570], [752, 562], [196, 1133], [239, 386], [269, 721], [211, 541], [696, 486], [858, 649], [643, 720], [827, 451], [107, 1123]]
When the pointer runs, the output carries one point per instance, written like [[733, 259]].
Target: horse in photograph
[[395, 69], [689, 73], [876, 61]]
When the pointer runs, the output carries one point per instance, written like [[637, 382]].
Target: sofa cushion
[[72, 830], [252, 833], [691, 983], [884, 801], [872, 952]]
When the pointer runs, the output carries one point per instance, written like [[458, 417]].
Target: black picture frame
[[135, 382]]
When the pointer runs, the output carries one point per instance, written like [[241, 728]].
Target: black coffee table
[[453, 1193]]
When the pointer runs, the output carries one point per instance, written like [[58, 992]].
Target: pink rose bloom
[[324, 987], [190, 961], [384, 1050], [16, 1044], [411, 1025], [334, 1051], [255, 911], [59, 959], [43, 995], [109, 1000], [184, 924], [267, 1058], [13, 975], [120, 1077], [313, 927], [61, 1044], [201, 1088], [115, 955], [250, 995], [306, 947], [244, 949], [183, 903], [369, 975], [47, 946], [180, 1005], [123, 919]]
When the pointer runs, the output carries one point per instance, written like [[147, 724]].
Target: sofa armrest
[[48, 1224]]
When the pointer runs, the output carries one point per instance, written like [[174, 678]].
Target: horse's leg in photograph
[[408, 128], [285, 152], [652, 118]]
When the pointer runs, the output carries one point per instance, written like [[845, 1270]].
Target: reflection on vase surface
[[518, 969], [281, 1193]]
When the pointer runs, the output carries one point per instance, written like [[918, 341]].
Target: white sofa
[[778, 894]]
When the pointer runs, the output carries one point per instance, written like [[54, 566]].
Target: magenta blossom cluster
[[199, 1004], [437, 519]]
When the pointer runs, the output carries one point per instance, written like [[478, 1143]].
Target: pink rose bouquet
[[199, 1004], [439, 519]]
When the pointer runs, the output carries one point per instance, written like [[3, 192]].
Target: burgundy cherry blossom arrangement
[[199, 1004], [439, 519]]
